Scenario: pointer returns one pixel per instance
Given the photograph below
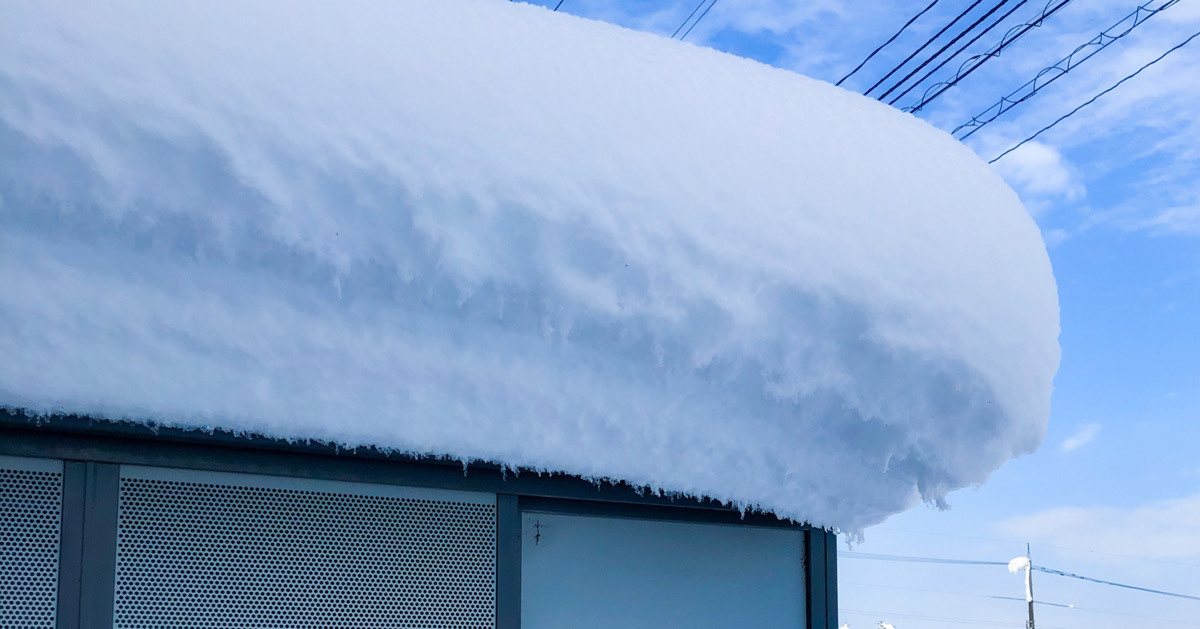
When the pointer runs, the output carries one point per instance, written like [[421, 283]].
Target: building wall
[[95, 537]]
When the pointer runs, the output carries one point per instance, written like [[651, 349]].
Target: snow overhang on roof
[[488, 231]]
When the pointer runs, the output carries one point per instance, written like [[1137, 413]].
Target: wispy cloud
[[1038, 170], [1176, 220], [1055, 237], [1082, 437], [1166, 529], [1135, 150]]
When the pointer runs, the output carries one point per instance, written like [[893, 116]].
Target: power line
[[1088, 610], [1092, 100], [1091, 551], [978, 562], [1120, 585], [1189, 623], [913, 589], [972, 63], [910, 559], [889, 41], [1065, 65], [689, 30], [1014, 598], [943, 619], [923, 46], [1005, 598], [1170, 621], [689, 19], [959, 51], [948, 45], [963, 594]]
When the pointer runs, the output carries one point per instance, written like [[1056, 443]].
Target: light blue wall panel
[[592, 572]]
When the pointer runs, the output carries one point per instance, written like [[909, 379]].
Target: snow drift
[[487, 231]]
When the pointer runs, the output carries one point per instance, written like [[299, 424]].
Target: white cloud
[[1082, 437], [1055, 237], [1038, 170], [1186, 13], [1153, 216], [1135, 152], [1176, 220], [1167, 529]]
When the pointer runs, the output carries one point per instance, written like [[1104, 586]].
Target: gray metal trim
[[70, 551], [32, 464], [820, 559], [600, 508], [105, 442], [831, 581], [99, 557], [306, 484], [814, 579], [508, 562]]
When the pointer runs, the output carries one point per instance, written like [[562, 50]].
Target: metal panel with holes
[[217, 550], [30, 529]]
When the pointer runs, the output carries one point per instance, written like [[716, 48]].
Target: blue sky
[[1114, 492]]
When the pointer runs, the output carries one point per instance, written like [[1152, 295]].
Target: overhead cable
[[948, 45], [972, 63], [689, 30], [889, 41], [1065, 65], [1170, 621], [1014, 598], [909, 559], [689, 19], [958, 52], [1089, 102], [977, 562], [1120, 585], [923, 46], [937, 619]]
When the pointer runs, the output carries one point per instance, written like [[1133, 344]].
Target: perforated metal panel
[[30, 521], [229, 550]]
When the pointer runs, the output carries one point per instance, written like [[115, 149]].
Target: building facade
[[127, 526]]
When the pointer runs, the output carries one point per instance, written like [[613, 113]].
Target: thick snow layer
[[487, 231]]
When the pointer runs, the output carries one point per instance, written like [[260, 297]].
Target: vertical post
[[70, 550], [816, 579], [99, 556], [88, 549], [1029, 583], [508, 562], [831, 585]]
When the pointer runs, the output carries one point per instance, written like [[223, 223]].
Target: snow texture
[[483, 230], [1020, 564]]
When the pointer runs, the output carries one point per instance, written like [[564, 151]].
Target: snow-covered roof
[[484, 230]]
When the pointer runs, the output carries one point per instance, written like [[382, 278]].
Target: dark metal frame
[[93, 451]]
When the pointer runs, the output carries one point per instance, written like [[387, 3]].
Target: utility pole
[[1029, 584]]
